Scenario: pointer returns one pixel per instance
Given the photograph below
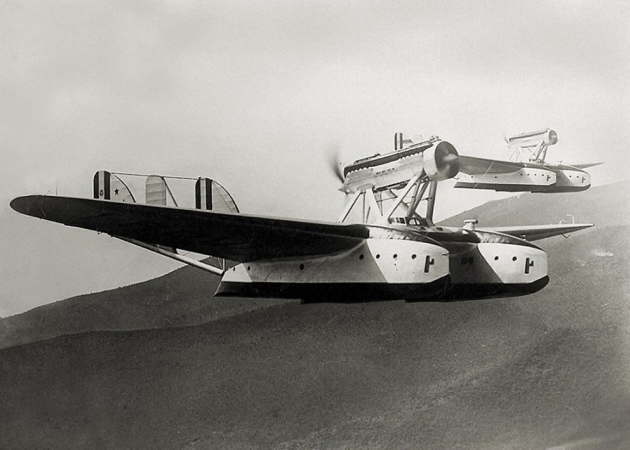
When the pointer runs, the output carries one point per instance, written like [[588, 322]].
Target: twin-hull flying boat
[[533, 175], [384, 245]]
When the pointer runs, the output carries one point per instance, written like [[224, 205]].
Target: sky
[[257, 94]]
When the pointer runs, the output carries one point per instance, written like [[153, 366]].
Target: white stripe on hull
[[525, 177], [375, 261]]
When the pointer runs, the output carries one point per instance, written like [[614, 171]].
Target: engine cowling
[[441, 161], [433, 159], [529, 138]]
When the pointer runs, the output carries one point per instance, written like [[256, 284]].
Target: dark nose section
[[31, 205]]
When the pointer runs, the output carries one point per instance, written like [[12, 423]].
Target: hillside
[[538, 371], [182, 297], [602, 205]]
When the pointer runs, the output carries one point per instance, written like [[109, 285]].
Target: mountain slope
[[182, 297], [602, 205], [538, 371]]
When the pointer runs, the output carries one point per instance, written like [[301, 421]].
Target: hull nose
[[498, 270]]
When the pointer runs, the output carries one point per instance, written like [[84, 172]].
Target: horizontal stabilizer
[[536, 232], [236, 237]]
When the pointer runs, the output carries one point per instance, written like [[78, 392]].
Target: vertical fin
[[203, 194], [155, 194], [222, 200], [155, 190], [119, 191], [158, 192], [108, 186], [102, 180], [211, 196]]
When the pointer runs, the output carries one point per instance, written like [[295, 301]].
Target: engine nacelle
[[433, 159], [531, 138]]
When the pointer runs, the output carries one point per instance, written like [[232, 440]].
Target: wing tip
[[27, 204], [593, 164]]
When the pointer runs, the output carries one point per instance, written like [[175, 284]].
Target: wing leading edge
[[237, 237]]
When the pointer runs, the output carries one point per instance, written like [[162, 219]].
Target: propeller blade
[[335, 164], [450, 157]]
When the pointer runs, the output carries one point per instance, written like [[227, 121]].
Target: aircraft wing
[[237, 237], [480, 166], [586, 165], [535, 232]]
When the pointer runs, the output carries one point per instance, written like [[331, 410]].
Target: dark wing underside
[[233, 236], [481, 166]]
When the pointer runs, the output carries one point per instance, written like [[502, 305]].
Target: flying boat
[[384, 245], [535, 174]]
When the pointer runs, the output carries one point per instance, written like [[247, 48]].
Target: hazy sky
[[255, 94]]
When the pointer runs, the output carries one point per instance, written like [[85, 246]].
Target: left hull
[[375, 269]]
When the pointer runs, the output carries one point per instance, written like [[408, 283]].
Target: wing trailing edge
[[472, 165], [536, 232]]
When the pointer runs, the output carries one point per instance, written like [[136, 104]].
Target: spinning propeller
[[335, 164]]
